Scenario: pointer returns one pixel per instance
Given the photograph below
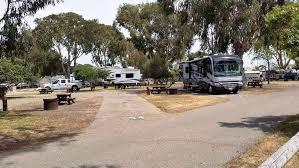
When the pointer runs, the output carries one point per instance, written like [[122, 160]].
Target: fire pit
[[172, 91], [50, 104]]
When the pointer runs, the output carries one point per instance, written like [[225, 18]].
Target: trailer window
[[130, 75], [118, 75], [63, 81]]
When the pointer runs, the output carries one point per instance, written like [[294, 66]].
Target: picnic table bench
[[67, 97], [45, 91]]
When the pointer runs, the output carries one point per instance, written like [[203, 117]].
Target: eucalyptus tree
[[282, 26], [12, 19], [228, 24], [66, 35], [157, 31], [107, 45]]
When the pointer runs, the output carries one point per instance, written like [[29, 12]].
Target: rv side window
[[130, 75], [118, 75], [186, 69], [63, 81]]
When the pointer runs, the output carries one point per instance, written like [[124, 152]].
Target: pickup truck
[[62, 84]]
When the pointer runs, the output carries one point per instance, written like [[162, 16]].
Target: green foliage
[[283, 28], [156, 68], [198, 54], [86, 73], [281, 35], [12, 20], [220, 24], [135, 58], [89, 73], [103, 73], [157, 33], [61, 32], [15, 72], [107, 45]]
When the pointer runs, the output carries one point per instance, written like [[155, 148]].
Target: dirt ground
[[27, 123]]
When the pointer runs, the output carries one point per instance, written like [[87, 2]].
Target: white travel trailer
[[213, 73], [124, 77]]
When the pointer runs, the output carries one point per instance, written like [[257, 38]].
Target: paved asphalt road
[[206, 137]]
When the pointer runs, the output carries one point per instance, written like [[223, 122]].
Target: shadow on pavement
[[265, 124], [60, 140]]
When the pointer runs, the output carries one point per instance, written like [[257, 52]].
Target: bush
[[15, 72]]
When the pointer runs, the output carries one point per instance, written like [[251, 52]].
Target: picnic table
[[66, 97], [158, 89]]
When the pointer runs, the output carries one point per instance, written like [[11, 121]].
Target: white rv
[[124, 77], [213, 73]]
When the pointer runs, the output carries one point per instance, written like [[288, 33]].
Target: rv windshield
[[227, 68]]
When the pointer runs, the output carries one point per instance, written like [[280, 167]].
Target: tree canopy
[[283, 29], [65, 34], [158, 34], [12, 20]]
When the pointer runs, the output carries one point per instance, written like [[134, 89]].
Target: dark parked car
[[290, 76], [23, 85]]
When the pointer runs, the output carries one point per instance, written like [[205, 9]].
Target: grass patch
[[268, 145], [285, 83], [181, 103], [260, 91], [29, 124]]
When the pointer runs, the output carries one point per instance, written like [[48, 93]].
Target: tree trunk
[[68, 70], [268, 78]]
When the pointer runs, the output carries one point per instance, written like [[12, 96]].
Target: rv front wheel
[[235, 91], [211, 90]]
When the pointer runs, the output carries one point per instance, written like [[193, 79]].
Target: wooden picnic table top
[[63, 95]]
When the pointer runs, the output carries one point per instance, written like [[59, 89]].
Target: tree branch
[[7, 10]]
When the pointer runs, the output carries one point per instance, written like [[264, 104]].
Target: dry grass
[[285, 83], [181, 103], [29, 124], [260, 91], [266, 146]]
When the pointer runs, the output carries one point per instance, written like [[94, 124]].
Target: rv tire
[[211, 90], [235, 91]]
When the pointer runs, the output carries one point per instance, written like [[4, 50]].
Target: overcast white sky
[[103, 10]]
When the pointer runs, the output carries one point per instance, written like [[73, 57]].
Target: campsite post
[[3, 90]]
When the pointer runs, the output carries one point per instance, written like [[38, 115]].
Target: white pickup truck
[[62, 84]]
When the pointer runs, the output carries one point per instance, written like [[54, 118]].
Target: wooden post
[[4, 103], [148, 91]]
